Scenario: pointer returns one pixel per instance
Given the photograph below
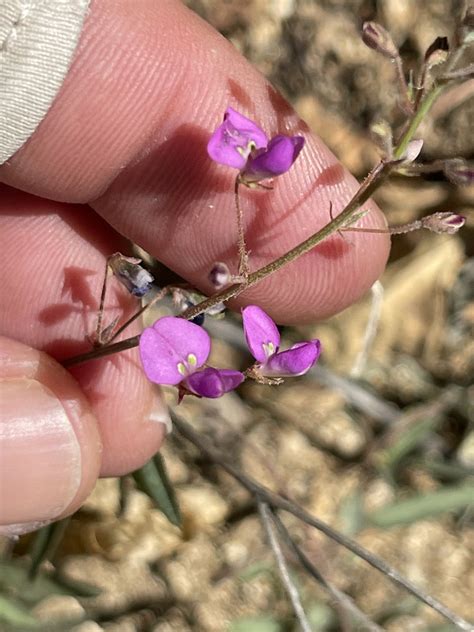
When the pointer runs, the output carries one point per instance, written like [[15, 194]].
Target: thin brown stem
[[368, 186], [100, 313], [137, 314], [279, 502], [243, 255]]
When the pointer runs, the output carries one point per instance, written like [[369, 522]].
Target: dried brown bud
[[219, 275], [437, 52], [375, 36], [459, 171], [446, 222], [131, 274]]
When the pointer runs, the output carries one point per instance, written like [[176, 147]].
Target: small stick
[[370, 329], [243, 255], [338, 596], [265, 517], [100, 313]]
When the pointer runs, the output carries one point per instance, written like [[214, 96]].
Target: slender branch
[[373, 320], [100, 313], [338, 596], [243, 256], [277, 501], [368, 186], [265, 517], [364, 192]]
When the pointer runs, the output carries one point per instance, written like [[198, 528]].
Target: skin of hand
[[122, 153]]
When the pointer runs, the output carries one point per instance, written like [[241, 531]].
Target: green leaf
[[255, 624], [422, 506], [255, 570], [351, 512], [15, 614], [152, 479], [408, 441], [15, 579], [45, 544]]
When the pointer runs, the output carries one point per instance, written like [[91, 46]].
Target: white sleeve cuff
[[37, 43]]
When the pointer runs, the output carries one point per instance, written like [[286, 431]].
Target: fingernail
[[40, 465], [159, 413]]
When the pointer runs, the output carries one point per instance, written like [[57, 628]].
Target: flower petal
[[234, 139], [261, 333], [172, 342], [212, 382], [294, 361], [277, 158]]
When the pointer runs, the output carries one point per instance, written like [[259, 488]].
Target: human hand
[[122, 151]]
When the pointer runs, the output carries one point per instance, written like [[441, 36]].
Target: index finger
[[128, 131]]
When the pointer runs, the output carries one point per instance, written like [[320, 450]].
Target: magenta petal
[[261, 333], [234, 139], [277, 158], [170, 342], [295, 361], [212, 382]]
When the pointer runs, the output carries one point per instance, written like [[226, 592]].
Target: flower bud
[[437, 52], [459, 171], [445, 222], [219, 275], [131, 274], [376, 37], [412, 151]]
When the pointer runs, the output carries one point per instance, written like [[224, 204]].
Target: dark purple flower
[[263, 340], [173, 352], [280, 153], [238, 142]]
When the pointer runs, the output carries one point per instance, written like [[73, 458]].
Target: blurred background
[[380, 446]]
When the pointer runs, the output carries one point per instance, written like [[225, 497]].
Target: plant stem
[[368, 186], [266, 519], [243, 255], [276, 501], [423, 110]]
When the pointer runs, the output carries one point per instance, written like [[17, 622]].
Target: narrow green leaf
[[255, 570], [76, 587], [255, 624], [409, 441], [351, 512], [422, 506], [45, 544], [14, 579], [15, 614], [152, 479]]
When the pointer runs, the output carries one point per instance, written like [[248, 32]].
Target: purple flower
[[173, 352], [238, 142], [263, 340]]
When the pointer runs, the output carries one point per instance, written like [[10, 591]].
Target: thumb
[[49, 442]]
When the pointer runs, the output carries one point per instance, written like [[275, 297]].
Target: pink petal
[[294, 361], [212, 382], [170, 342], [234, 139], [261, 333]]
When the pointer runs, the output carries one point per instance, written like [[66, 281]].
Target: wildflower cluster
[[174, 351]]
